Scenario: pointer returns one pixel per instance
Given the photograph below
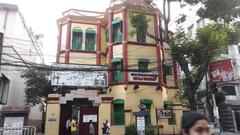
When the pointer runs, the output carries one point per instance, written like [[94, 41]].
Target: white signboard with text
[[79, 75], [13, 122], [87, 118], [140, 123], [143, 77]]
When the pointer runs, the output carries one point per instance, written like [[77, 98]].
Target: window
[[90, 40], [107, 34], [225, 50], [77, 38], [168, 70], [117, 70], [143, 64], [118, 115], [148, 104], [229, 90], [117, 30], [238, 49]]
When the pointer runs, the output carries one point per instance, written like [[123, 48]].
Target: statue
[[142, 106]]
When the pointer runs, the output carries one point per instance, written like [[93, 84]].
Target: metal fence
[[26, 130]]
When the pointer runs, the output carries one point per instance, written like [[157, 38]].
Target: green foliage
[[140, 22], [198, 53], [150, 130], [132, 130], [226, 10], [220, 97], [38, 85], [201, 94]]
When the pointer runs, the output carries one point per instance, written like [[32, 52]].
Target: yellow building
[[138, 69]]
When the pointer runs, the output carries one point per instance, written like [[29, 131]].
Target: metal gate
[[26, 130]]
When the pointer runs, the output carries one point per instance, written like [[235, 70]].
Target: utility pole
[[1, 47]]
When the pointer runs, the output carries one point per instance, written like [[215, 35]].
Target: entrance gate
[[87, 114]]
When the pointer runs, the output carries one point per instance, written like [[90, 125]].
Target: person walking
[[107, 127], [194, 123], [74, 126], [68, 126], [91, 128]]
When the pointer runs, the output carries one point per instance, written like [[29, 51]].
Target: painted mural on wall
[[79, 75]]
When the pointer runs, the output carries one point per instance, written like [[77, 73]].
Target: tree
[[217, 10], [210, 41], [38, 86]]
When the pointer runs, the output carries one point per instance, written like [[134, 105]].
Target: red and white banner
[[221, 71], [142, 77]]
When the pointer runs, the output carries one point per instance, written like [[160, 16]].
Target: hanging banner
[[221, 71], [79, 75], [143, 77]]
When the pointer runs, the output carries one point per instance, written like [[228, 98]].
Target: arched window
[[90, 40], [117, 30], [77, 38]]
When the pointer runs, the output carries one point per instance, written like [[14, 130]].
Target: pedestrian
[[194, 123], [74, 126], [91, 128], [107, 127], [104, 129], [68, 126]]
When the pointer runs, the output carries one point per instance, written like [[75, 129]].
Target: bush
[[132, 130]]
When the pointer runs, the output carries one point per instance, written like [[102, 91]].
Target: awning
[[90, 31], [143, 60], [116, 21], [118, 101], [116, 60], [77, 30], [147, 101], [167, 102]]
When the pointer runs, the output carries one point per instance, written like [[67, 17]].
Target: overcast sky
[[41, 15]]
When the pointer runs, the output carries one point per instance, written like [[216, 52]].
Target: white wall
[[16, 35]]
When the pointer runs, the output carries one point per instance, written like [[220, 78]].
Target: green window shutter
[[168, 70], [167, 104], [118, 101], [117, 30], [148, 103], [117, 67], [143, 64], [77, 39], [107, 34], [118, 115], [90, 40]]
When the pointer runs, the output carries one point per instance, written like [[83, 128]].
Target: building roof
[[8, 6]]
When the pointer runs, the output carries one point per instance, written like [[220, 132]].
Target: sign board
[[13, 122], [143, 77], [140, 124], [79, 75], [164, 114], [87, 118], [221, 71]]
